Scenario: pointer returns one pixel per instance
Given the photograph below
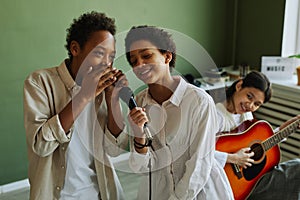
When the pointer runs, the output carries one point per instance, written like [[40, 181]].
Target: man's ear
[[74, 48], [238, 86], [168, 57]]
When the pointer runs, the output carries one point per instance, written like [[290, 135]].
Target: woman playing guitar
[[281, 181]]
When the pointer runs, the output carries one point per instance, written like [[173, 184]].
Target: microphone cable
[[127, 96], [150, 174], [150, 182]]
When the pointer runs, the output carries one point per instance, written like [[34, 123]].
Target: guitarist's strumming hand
[[241, 158]]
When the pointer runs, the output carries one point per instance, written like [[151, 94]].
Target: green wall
[[259, 30], [33, 36]]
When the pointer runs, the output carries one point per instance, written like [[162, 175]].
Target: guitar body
[[264, 160]]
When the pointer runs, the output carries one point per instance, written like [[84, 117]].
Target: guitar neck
[[280, 135]]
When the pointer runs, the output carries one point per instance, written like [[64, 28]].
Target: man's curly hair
[[88, 23], [158, 37]]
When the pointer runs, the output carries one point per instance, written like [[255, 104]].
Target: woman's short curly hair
[[88, 23], [158, 37]]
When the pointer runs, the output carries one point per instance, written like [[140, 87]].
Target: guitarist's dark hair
[[253, 79]]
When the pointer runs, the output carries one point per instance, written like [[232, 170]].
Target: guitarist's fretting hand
[[241, 158], [290, 121]]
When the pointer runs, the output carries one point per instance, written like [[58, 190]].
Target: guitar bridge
[[237, 171]]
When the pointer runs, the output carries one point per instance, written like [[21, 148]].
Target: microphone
[[127, 96]]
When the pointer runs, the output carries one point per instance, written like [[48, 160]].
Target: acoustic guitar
[[259, 136]]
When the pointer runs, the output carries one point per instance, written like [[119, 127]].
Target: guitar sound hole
[[258, 151], [252, 172]]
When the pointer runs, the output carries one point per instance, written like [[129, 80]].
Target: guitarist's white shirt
[[227, 122]]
